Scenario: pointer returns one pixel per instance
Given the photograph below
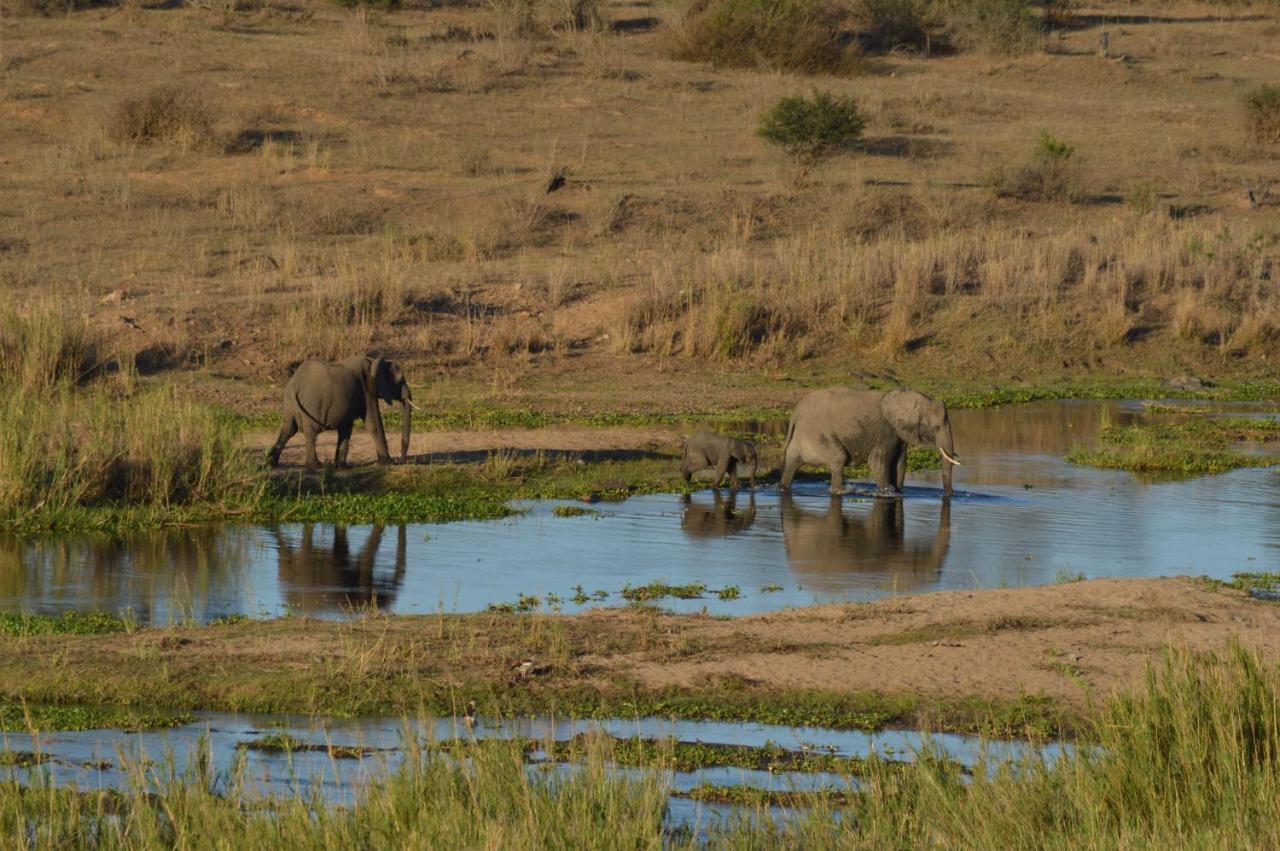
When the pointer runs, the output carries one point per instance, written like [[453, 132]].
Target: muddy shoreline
[[985, 661]]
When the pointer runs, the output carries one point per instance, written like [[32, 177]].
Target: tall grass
[[472, 796], [69, 449], [67, 445], [1193, 761], [830, 292]]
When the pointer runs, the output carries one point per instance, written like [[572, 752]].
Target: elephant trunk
[[947, 446], [406, 416]]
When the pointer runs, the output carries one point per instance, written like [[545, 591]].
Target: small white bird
[[469, 716]]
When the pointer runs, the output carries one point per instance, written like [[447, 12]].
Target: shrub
[[166, 114], [1262, 113], [803, 36], [1050, 176], [811, 128], [891, 24], [1002, 27]]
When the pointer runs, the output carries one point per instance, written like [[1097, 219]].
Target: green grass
[[19, 717], [66, 623], [753, 798], [661, 590], [1201, 446], [1190, 761], [576, 511]]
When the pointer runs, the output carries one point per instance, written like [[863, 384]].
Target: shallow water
[[1021, 516], [100, 759]]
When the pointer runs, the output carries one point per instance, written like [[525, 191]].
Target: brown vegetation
[[236, 188]]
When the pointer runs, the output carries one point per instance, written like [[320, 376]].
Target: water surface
[[1021, 516]]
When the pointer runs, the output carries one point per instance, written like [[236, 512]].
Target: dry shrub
[[1262, 114], [802, 36], [164, 115]]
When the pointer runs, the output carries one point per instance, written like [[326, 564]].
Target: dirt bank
[[914, 659], [463, 446]]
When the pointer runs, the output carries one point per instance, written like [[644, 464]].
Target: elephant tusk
[[411, 405], [949, 458]]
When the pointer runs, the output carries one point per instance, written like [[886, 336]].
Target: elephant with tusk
[[322, 396], [839, 427]]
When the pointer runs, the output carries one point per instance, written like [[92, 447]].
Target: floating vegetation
[[690, 756], [771, 588], [1199, 447], [576, 511], [729, 592], [750, 796], [659, 590], [285, 743]]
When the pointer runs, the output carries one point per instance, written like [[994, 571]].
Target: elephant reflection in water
[[719, 519], [822, 547], [318, 578]]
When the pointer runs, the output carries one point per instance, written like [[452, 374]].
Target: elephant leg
[[902, 468], [288, 428], [344, 446], [789, 466], [837, 464], [884, 467], [733, 473], [721, 469], [312, 460]]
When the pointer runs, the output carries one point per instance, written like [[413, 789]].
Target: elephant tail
[[297, 403]]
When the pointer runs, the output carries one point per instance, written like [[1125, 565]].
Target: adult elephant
[[838, 427], [825, 547], [321, 396]]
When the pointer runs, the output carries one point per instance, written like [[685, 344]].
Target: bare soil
[[1073, 643], [456, 446]]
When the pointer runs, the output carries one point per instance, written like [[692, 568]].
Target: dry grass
[[353, 179]]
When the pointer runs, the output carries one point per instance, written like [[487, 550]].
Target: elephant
[[718, 520], [706, 449], [316, 578], [826, 547], [838, 427], [322, 396]]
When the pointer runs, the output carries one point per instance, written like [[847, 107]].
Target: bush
[[166, 114], [890, 24], [803, 36], [812, 128], [1262, 113], [1002, 27], [1050, 176]]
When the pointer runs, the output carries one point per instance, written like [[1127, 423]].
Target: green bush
[[166, 114], [1262, 113], [802, 36], [1049, 176], [1001, 27], [811, 128]]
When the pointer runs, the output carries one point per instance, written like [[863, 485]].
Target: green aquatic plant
[[1200, 446], [659, 590], [576, 511]]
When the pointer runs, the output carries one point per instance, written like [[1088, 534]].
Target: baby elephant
[[705, 449]]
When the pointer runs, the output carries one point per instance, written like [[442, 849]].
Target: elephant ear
[[372, 378], [905, 411]]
